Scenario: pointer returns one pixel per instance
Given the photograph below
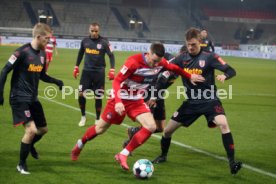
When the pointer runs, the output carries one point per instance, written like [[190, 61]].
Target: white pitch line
[[260, 171]]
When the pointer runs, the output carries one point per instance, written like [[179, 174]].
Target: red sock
[[138, 139], [89, 134]]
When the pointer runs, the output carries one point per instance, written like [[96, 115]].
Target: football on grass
[[143, 169]]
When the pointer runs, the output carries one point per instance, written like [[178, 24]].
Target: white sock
[[124, 152], [80, 144]]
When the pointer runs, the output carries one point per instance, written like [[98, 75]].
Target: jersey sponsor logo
[[92, 51], [12, 59], [42, 59], [99, 46], [193, 71], [201, 63], [27, 113], [124, 70], [148, 71], [35, 68]]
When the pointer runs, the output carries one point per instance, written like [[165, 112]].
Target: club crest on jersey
[[27, 113], [201, 63], [42, 59], [109, 115], [99, 46]]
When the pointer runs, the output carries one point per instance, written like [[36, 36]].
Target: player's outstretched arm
[[193, 77], [3, 77], [46, 78]]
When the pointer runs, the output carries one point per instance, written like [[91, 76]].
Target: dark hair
[[183, 49], [193, 33], [158, 49]]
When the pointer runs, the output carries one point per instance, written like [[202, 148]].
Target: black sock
[[82, 102], [165, 145], [228, 143], [24, 152], [98, 107], [36, 139]]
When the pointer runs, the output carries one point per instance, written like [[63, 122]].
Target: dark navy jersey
[[94, 51], [207, 45], [28, 67], [203, 64], [161, 81]]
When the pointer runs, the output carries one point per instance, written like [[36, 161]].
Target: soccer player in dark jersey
[[94, 48], [206, 44], [202, 98], [28, 63], [127, 99]]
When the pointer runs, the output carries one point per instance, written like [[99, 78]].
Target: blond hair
[[41, 29]]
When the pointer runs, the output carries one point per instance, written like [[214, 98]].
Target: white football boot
[[82, 121]]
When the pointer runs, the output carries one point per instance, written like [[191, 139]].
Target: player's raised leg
[[90, 134], [148, 127]]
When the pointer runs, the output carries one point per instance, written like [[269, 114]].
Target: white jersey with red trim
[[136, 75], [50, 45]]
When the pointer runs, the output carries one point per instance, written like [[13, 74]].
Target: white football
[[143, 169]]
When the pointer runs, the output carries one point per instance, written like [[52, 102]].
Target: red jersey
[[136, 75], [50, 45]]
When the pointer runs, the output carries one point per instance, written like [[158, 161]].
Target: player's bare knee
[[224, 128], [42, 131], [167, 133], [81, 94], [30, 132], [150, 126], [101, 127]]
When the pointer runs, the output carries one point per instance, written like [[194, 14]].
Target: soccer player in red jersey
[[50, 48], [127, 99]]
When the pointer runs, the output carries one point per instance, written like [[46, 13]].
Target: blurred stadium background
[[229, 22]]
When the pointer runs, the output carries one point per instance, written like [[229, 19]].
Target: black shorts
[[159, 112], [93, 80], [188, 112], [23, 112]]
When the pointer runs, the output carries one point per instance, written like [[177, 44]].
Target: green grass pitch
[[250, 112]]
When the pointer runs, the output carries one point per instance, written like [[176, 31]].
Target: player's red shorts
[[49, 56], [132, 109]]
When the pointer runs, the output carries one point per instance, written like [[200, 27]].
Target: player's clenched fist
[[111, 74], [76, 72]]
